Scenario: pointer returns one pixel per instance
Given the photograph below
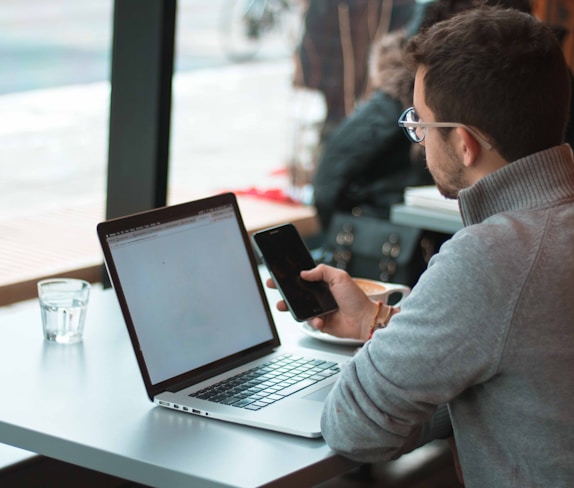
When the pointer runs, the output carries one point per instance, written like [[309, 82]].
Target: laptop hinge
[[214, 371]]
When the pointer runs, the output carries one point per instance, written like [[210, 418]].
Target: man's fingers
[[318, 273], [317, 323]]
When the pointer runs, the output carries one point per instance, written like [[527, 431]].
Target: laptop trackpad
[[319, 395]]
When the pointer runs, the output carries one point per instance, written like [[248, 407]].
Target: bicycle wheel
[[243, 25]]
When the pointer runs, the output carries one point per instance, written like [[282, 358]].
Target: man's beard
[[453, 170]]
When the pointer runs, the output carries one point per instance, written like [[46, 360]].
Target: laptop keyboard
[[265, 384]]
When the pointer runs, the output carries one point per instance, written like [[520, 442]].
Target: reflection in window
[[54, 101], [232, 123], [236, 123]]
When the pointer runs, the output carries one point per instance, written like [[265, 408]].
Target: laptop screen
[[190, 289]]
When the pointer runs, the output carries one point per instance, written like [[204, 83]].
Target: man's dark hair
[[443, 9], [499, 70]]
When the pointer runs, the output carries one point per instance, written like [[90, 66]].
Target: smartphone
[[285, 255]]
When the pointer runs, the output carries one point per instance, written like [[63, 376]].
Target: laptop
[[190, 292]]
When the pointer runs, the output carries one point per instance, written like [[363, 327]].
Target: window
[[232, 124], [54, 99], [234, 121]]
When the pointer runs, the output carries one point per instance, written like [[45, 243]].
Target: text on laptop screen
[[190, 291]]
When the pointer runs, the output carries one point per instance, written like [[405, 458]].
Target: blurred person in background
[[332, 55], [366, 165]]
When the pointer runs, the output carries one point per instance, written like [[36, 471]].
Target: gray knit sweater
[[489, 331]]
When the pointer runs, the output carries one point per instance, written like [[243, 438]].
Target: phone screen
[[286, 255]]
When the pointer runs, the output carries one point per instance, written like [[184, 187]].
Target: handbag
[[375, 248]]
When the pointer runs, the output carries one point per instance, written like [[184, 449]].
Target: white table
[[86, 404], [426, 218]]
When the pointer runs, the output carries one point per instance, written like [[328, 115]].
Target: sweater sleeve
[[391, 397]]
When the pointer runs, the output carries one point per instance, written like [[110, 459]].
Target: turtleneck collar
[[532, 182]]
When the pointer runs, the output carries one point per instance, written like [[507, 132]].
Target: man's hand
[[356, 311]]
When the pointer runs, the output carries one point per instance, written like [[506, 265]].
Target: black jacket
[[367, 161]]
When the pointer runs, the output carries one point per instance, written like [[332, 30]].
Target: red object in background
[[275, 194]]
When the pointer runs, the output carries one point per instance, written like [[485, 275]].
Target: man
[[489, 328], [367, 163]]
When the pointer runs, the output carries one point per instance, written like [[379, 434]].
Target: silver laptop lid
[[189, 289]]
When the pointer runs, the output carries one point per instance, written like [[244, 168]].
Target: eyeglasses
[[416, 130]]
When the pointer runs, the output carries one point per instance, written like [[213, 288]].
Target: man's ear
[[469, 147]]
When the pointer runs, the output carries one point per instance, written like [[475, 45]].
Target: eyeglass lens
[[416, 134]]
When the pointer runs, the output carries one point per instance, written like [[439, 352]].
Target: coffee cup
[[392, 293]]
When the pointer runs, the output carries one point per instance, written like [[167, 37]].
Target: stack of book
[[428, 197]]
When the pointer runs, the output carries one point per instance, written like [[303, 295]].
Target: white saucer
[[323, 336]]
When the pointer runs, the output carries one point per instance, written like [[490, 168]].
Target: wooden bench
[[63, 241]]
